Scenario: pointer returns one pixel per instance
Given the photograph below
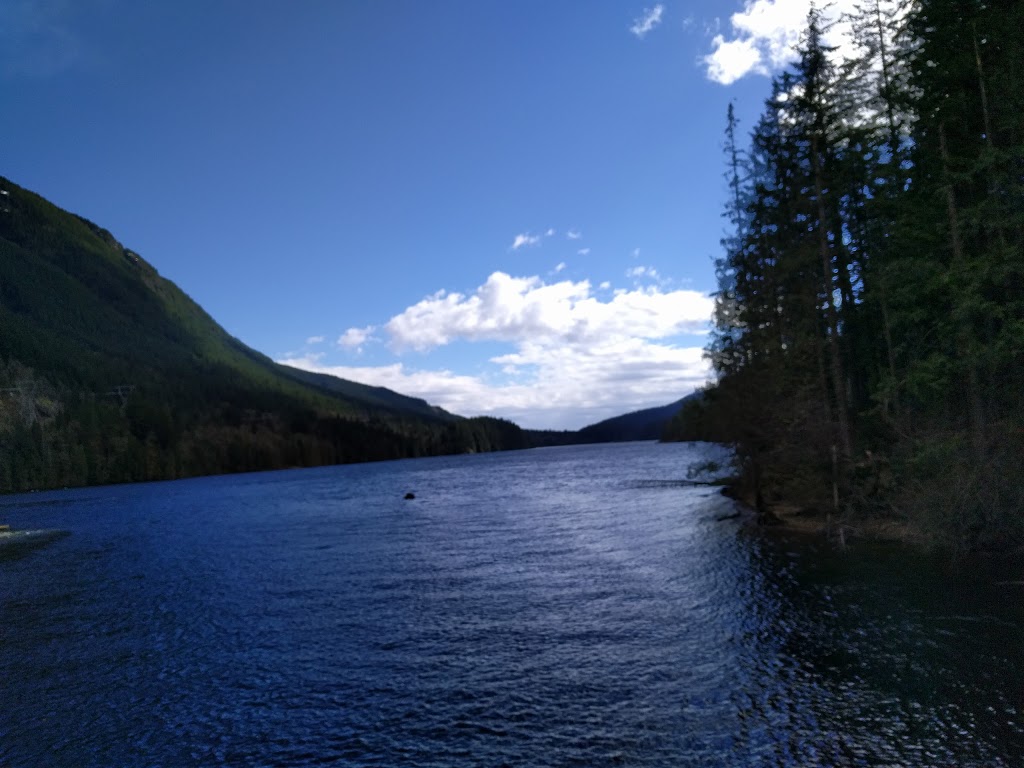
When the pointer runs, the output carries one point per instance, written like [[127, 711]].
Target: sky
[[508, 208]]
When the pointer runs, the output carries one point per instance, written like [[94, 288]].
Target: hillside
[[110, 373], [647, 424]]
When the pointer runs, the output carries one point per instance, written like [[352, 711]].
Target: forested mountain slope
[[110, 373], [646, 424]]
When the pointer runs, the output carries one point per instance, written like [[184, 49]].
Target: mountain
[[646, 424], [377, 397], [110, 373]]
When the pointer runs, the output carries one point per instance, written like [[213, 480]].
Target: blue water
[[567, 607]]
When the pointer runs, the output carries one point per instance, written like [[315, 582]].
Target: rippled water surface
[[573, 606]]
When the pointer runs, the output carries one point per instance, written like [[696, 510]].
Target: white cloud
[[733, 59], [574, 359], [583, 251], [527, 238], [650, 272], [648, 20], [520, 309], [524, 239], [765, 35], [315, 340], [566, 388], [560, 266], [605, 285], [574, 234], [355, 338]]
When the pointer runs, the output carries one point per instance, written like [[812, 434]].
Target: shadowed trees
[[871, 300]]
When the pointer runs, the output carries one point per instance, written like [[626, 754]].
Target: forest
[[869, 317]]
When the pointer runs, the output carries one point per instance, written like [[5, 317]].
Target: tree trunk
[[964, 336], [832, 316]]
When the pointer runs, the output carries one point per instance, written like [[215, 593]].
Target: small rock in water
[[410, 496]]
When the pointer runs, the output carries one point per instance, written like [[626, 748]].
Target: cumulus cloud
[[520, 309], [733, 59], [354, 338], [765, 35], [583, 251], [648, 20], [574, 234], [574, 358], [560, 266]]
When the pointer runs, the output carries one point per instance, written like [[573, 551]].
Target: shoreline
[[839, 528], [842, 528]]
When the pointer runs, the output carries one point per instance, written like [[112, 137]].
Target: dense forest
[[869, 327], [109, 373]]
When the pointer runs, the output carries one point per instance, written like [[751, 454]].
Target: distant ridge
[[645, 424]]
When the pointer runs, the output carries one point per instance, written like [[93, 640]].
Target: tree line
[[870, 310], [54, 436]]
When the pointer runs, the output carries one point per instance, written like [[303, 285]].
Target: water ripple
[[566, 607]]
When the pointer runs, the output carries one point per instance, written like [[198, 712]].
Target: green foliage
[[694, 420], [870, 306]]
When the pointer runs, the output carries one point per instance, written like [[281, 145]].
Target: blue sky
[[508, 208]]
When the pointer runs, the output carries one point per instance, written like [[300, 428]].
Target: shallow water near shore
[[574, 606]]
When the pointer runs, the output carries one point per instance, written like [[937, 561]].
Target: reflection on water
[[571, 606], [889, 658]]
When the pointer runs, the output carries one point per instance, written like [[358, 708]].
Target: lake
[[576, 606]]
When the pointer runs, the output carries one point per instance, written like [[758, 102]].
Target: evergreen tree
[[870, 300]]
